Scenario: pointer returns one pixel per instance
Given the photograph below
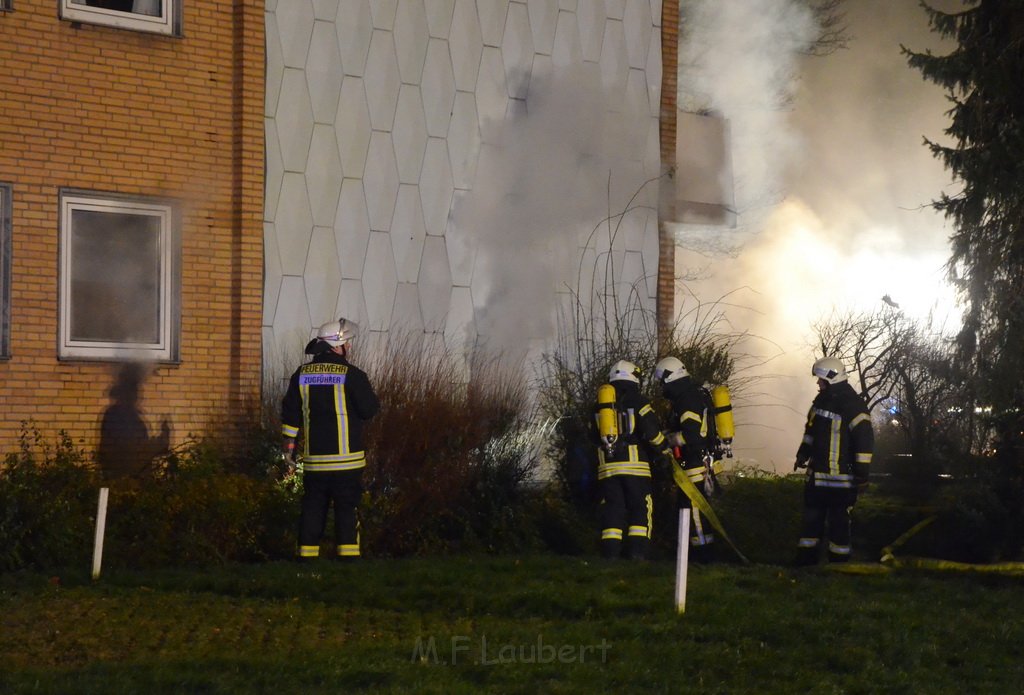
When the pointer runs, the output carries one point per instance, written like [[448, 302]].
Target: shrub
[[48, 498], [200, 510], [448, 457], [761, 513]]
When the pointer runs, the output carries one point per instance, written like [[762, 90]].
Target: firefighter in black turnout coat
[[329, 399], [836, 450], [629, 436], [688, 431]]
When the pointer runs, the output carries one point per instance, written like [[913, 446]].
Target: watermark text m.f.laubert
[[464, 649]]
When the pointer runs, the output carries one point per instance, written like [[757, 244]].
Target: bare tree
[[906, 373]]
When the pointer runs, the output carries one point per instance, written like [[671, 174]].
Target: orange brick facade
[[119, 111], [665, 309]]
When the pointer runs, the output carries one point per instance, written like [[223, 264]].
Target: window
[[5, 269], [119, 284], [157, 16]]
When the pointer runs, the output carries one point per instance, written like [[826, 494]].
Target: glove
[[288, 449]]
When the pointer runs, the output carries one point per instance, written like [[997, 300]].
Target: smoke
[[740, 60], [548, 175], [832, 187]]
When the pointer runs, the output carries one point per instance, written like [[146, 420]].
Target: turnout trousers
[[825, 510], [321, 489], [626, 510]]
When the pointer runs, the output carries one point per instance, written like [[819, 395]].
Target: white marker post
[[682, 559], [101, 523]]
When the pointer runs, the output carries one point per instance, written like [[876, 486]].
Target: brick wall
[[114, 110], [666, 242]]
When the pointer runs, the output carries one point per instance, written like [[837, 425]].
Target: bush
[[200, 510], [761, 513], [195, 509], [448, 459], [48, 501]]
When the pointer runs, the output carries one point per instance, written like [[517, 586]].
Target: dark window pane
[[115, 277]]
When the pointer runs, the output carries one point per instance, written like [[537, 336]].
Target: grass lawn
[[536, 624]]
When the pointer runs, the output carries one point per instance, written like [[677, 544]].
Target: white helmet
[[669, 369], [830, 369], [624, 370], [337, 333]]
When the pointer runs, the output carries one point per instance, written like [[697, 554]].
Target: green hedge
[[202, 507]]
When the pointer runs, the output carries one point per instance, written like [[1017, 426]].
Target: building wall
[[388, 126], [115, 110]]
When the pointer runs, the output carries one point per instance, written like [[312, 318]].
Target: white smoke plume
[[546, 177], [832, 188]]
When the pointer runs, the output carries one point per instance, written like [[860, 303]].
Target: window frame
[[167, 24], [167, 211], [6, 199]]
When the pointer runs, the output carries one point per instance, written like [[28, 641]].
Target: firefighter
[[836, 451], [329, 400], [691, 422], [629, 434]]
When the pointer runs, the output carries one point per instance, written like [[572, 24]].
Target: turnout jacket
[[329, 399], [838, 439], [689, 419], [638, 429]]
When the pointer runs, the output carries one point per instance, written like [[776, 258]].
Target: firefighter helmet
[[624, 370], [338, 333], [669, 369], [830, 369]]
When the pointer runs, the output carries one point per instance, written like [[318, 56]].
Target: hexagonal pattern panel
[[323, 175], [465, 44], [439, 17], [295, 221], [382, 80], [274, 66], [410, 134], [295, 28], [639, 26], [411, 39], [353, 126], [354, 26], [352, 228], [379, 281], [275, 169], [387, 120], [407, 317], [294, 120], [436, 186], [292, 321], [381, 181], [439, 83], [492, 20], [271, 273], [407, 233], [463, 139], [383, 13], [325, 10], [491, 94], [322, 276], [352, 304], [543, 16], [323, 70], [435, 281]]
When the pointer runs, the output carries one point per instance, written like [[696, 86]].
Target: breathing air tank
[[723, 417], [607, 418]]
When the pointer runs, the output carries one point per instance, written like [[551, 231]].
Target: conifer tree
[[984, 79]]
